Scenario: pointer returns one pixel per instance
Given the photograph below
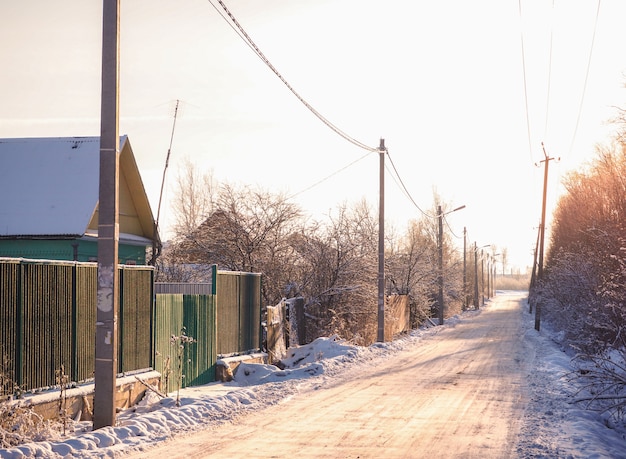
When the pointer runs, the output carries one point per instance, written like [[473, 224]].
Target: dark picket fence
[[48, 321]]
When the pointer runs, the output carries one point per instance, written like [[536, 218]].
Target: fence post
[[300, 320]]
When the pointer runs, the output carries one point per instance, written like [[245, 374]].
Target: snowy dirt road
[[459, 393]]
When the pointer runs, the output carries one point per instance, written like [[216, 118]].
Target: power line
[[582, 98], [450, 228], [545, 131], [242, 33], [328, 176], [405, 189], [530, 149]]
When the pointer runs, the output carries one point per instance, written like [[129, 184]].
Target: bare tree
[[248, 231], [411, 269], [194, 200], [338, 271]]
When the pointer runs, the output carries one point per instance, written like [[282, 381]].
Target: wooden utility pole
[[533, 277], [381, 245], [108, 223], [545, 162]]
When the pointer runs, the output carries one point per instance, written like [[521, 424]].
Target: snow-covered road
[[460, 393]]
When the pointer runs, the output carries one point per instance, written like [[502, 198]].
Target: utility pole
[[475, 275], [546, 162], [494, 275], [381, 244], [440, 252], [533, 277], [488, 276], [464, 268], [482, 277], [440, 216], [108, 223]]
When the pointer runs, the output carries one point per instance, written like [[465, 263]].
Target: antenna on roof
[[156, 246]]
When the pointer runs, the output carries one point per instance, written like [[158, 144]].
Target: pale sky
[[441, 81]]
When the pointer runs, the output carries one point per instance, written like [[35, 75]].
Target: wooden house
[[49, 192]]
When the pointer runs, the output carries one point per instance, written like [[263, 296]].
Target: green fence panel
[[227, 288], [86, 281], [199, 322], [48, 316], [168, 322], [250, 311], [10, 320], [238, 312], [135, 330], [47, 323]]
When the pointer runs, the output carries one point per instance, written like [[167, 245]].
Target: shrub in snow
[[604, 382], [180, 344]]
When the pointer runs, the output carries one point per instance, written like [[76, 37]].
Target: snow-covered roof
[[50, 187]]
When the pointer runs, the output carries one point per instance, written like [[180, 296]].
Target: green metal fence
[[238, 312], [185, 364], [223, 318], [48, 317]]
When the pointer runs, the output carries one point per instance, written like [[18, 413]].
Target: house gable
[[51, 190]]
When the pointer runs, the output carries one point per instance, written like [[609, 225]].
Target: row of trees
[[583, 289], [332, 264]]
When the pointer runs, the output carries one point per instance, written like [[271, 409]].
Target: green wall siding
[[44, 249]]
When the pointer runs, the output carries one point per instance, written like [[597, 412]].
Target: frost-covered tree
[[584, 283]]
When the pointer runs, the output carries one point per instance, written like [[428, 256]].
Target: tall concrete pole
[[464, 268], [476, 306], [381, 245], [482, 277], [108, 223], [440, 264]]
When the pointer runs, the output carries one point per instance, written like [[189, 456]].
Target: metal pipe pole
[[381, 245], [108, 223]]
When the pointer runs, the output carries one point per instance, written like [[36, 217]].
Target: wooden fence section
[[287, 323], [397, 316], [276, 333], [48, 317]]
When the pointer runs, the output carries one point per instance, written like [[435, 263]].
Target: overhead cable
[[545, 131], [242, 33], [530, 149], [328, 176], [405, 189], [582, 98]]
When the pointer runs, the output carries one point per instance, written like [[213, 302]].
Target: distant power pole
[[475, 275], [542, 233], [108, 223], [464, 268], [381, 245]]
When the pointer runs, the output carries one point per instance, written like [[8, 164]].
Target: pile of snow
[[553, 426]]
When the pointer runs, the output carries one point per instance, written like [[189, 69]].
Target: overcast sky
[[443, 82]]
